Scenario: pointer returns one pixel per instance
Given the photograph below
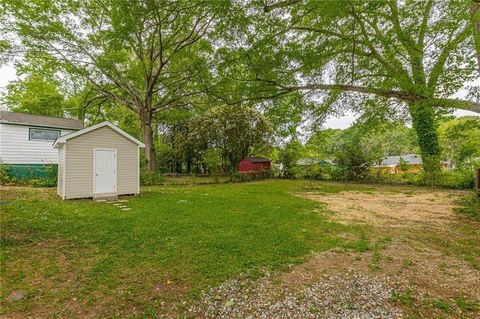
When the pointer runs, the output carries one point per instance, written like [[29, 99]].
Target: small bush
[[250, 176], [151, 178], [265, 174], [327, 172], [4, 175], [458, 179], [52, 174], [238, 177], [50, 180]]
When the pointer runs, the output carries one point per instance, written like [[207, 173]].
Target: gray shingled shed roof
[[39, 120], [411, 159]]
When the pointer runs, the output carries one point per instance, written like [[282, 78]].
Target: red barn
[[254, 164]]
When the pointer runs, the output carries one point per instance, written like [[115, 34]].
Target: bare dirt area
[[418, 248], [425, 208], [418, 264]]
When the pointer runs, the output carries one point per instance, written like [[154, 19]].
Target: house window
[[38, 134]]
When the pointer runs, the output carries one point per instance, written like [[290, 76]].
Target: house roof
[[327, 161], [314, 161], [258, 159], [39, 120], [308, 161], [411, 159], [62, 139]]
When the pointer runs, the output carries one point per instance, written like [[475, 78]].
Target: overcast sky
[[7, 74]]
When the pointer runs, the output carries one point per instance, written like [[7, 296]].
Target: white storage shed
[[100, 161]]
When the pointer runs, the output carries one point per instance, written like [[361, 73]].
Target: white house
[[26, 140]]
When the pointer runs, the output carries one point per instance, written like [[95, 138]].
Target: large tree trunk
[[146, 123], [423, 118]]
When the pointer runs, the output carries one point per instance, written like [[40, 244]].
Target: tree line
[[237, 76], [350, 154]]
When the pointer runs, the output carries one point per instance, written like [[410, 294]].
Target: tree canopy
[[35, 95], [147, 56], [179, 66], [410, 56], [408, 51]]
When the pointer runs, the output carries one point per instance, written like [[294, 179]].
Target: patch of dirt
[[404, 276], [411, 263], [432, 208]]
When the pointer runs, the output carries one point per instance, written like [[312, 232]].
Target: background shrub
[[50, 179], [4, 175], [458, 179], [150, 179]]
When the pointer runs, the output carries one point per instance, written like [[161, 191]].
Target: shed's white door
[[105, 165]]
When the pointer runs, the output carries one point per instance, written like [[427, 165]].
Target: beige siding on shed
[[60, 172], [79, 162]]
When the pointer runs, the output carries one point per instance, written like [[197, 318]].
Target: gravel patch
[[347, 295]]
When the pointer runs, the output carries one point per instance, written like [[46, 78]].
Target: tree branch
[[458, 104], [424, 25], [404, 96], [399, 95], [394, 70], [442, 58]]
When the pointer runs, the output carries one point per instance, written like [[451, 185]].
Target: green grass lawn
[[69, 256]]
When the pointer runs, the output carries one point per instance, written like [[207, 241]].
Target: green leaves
[[36, 96], [236, 131], [5, 48], [296, 61], [461, 141]]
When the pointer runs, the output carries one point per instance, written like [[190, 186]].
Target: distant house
[[26, 141], [254, 164], [327, 162], [307, 161], [393, 164]]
